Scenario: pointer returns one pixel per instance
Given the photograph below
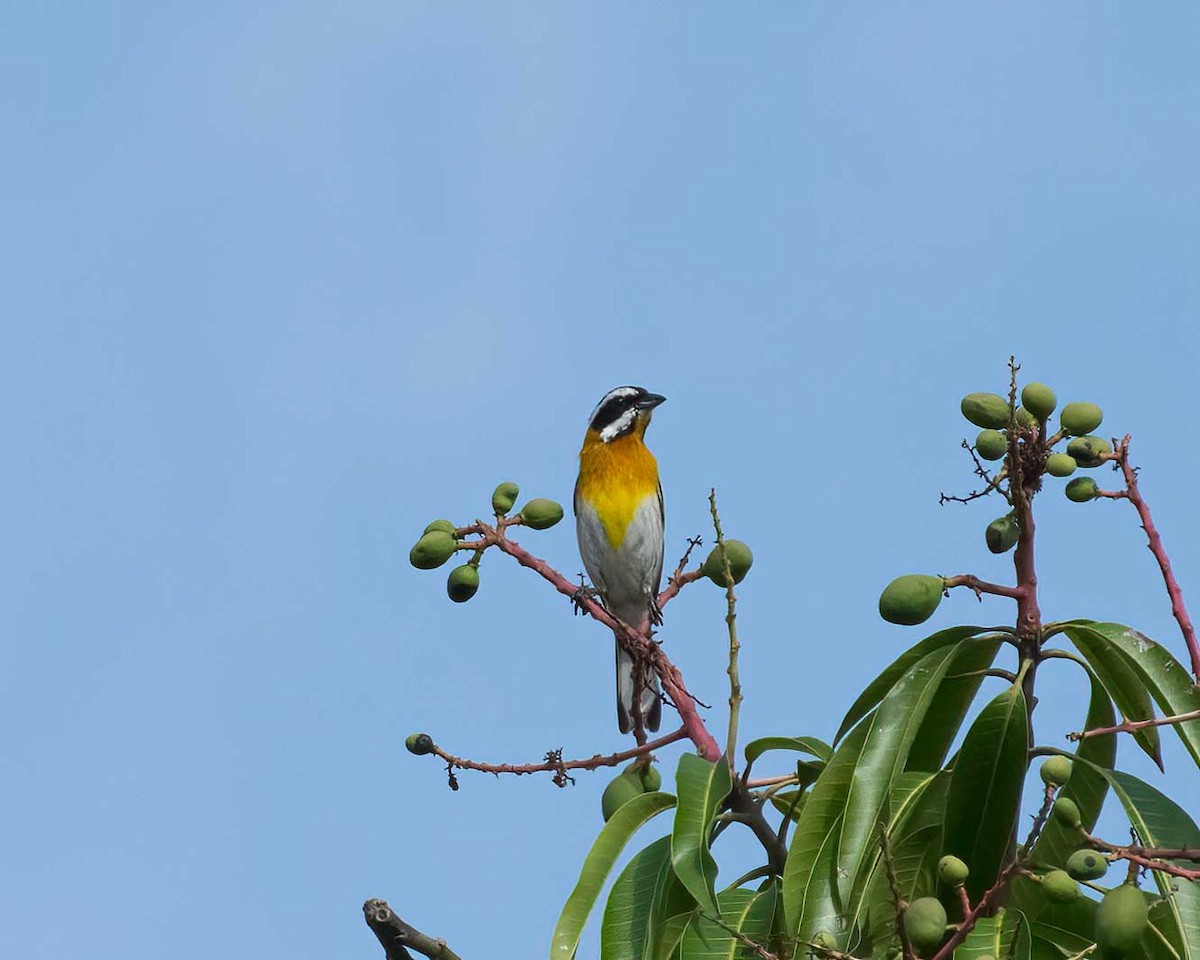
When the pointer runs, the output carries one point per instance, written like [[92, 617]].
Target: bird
[[619, 525]]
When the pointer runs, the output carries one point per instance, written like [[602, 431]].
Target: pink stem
[[591, 763]]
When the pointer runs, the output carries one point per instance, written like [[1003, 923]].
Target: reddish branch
[[1152, 858], [982, 586], [637, 642], [555, 763], [1129, 726], [1121, 455]]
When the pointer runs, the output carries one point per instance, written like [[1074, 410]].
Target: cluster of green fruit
[[637, 778], [441, 538], [1077, 420]]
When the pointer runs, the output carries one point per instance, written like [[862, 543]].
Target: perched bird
[[619, 523]]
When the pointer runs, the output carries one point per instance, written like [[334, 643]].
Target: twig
[[1129, 726], [396, 936], [1152, 858], [639, 643], [679, 579], [982, 586], [555, 763], [889, 865], [735, 682], [759, 950], [1154, 542]]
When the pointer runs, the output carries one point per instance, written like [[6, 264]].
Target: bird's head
[[623, 410]]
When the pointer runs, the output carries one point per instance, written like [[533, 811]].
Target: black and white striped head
[[621, 410]]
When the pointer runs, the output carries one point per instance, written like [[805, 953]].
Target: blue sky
[[284, 282]]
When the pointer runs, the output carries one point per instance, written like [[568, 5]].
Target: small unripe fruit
[[1088, 450], [619, 792], [432, 550], [444, 525], [1086, 865], [740, 561], [925, 922], [910, 599], [1081, 418], [1056, 770], [1082, 489], [463, 583], [1039, 400], [419, 743], [1060, 465], [1121, 918], [1066, 812], [991, 445], [825, 940], [986, 410], [1060, 887], [1002, 534], [541, 514], [504, 496], [952, 871], [651, 778], [1024, 418]]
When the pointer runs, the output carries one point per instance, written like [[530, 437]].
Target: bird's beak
[[650, 401]]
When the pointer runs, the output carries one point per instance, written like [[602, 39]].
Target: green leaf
[[789, 803], [673, 931], [702, 786], [1063, 930], [985, 789], [596, 866], [1160, 822], [951, 702], [644, 897], [1166, 679], [750, 914], [1120, 679], [879, 687], [991, 937], [810, 745]]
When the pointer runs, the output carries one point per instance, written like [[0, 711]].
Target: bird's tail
[[650, 699]]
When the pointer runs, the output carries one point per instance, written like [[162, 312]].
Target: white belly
[[628, 577]]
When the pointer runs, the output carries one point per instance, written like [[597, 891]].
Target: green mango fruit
[[1066, 812], [1060, 887], [463, 583], [1121, 918], [740, 561], [952, 871], [444, 525], [991, 444], [504, 496], [987, 410], [623, 788], [1088, 450], [1024, 418], [1056, 770], [1078, 419], [1060, 465], [825, 940], [1039, 400], [1082, 489], [1002, 534], [651, 778], [432, 550], [419, 743], [1086, 865], [925, 923], [911, 599], [541, 514]]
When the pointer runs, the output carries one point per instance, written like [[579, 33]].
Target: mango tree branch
[[1129, 726], [1154, 542], [972, 582], [396, 936], [637, 642], [735, 682]]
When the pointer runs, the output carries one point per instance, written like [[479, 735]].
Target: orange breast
[[614, 478]]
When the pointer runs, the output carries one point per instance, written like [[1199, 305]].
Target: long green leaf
[[673, 931], [808, 875], [1166, 679], [1063, 931], [1087, 788], [892, 729], [1161, 822], [596, 866], [1121, 680], [748, 913], [878, 688], [951, 702], [991, 937], [643, 898], [702, 786], [810, 745], [985, 789]]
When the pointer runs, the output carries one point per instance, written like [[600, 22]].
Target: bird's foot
[[580, 597]]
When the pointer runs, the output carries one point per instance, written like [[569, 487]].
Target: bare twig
[[972, 582], [735, 682], [396, 936], [898, 904], [1129, 726]]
